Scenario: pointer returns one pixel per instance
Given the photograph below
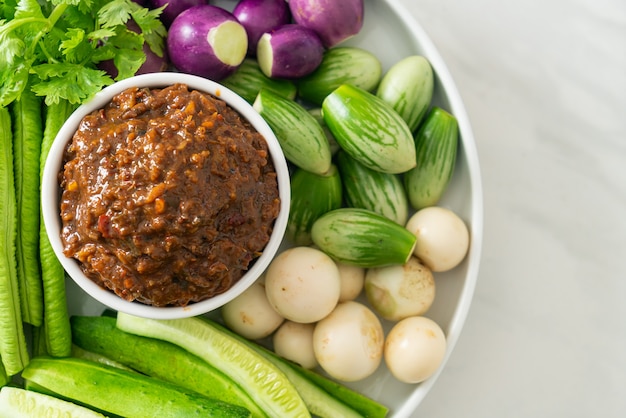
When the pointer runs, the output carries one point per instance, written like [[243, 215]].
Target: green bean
[[27, 135], [56, 317], [13, 350]]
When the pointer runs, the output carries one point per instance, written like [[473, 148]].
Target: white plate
[[391, 34]]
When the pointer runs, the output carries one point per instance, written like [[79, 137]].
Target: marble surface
[[545, 88]]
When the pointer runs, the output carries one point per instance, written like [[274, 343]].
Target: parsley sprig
[[58, 44]]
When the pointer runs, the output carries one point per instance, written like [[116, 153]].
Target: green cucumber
[[79, 352], [265, 383], [341, 65], [363, 238], [369, 130], [367, 407], [121, 392], [301, 137], [21, 403], [365, 188], [323, 396], [436, 144], [248, 80], [156, 358], [312, 195], [408, 87]]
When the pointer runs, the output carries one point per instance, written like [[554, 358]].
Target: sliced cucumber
[[380, 192], [369, 130], [263, 381], [367, 407], [121, 392], [341, 65], [436, 144], [324, 397], [312, 195], [301, 137], [21, 403], [79, 352], [248, 80], [408, 87], [363, 238], [156, 358]]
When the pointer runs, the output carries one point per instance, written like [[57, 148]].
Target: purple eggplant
[[333, 20], [260, 16], [207, 41], [173, 8], [289, 51]]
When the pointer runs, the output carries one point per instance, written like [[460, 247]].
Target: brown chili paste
[[168, 196]]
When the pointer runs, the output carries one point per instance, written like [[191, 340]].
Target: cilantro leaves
[[57, 44]]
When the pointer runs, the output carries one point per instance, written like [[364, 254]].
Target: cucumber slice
[[21, 403], [324, 397], [158, 359], [264, 382], [120, 392]]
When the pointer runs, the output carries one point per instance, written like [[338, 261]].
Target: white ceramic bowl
[[50, 195]]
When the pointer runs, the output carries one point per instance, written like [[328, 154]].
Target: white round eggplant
[[414, 349], [294, 341], [399, 291], [250, 314], [352, 281], [303, 284], [442, 237], [348, 344]]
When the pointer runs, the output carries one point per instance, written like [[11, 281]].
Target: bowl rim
[[50, 194]]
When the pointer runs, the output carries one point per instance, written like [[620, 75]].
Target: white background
[[544, 83]]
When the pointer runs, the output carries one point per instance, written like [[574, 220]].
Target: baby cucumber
[[436, 143], [365, 188], [341, 65], [248, 80], [408, 87], [301, 137], [324, 397], [363, 238], [21, 403], [264, 382], [121, 392], [369, 130], [312, 195], [156, 358]]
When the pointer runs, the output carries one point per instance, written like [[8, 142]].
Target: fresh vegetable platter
[[390, 34]]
